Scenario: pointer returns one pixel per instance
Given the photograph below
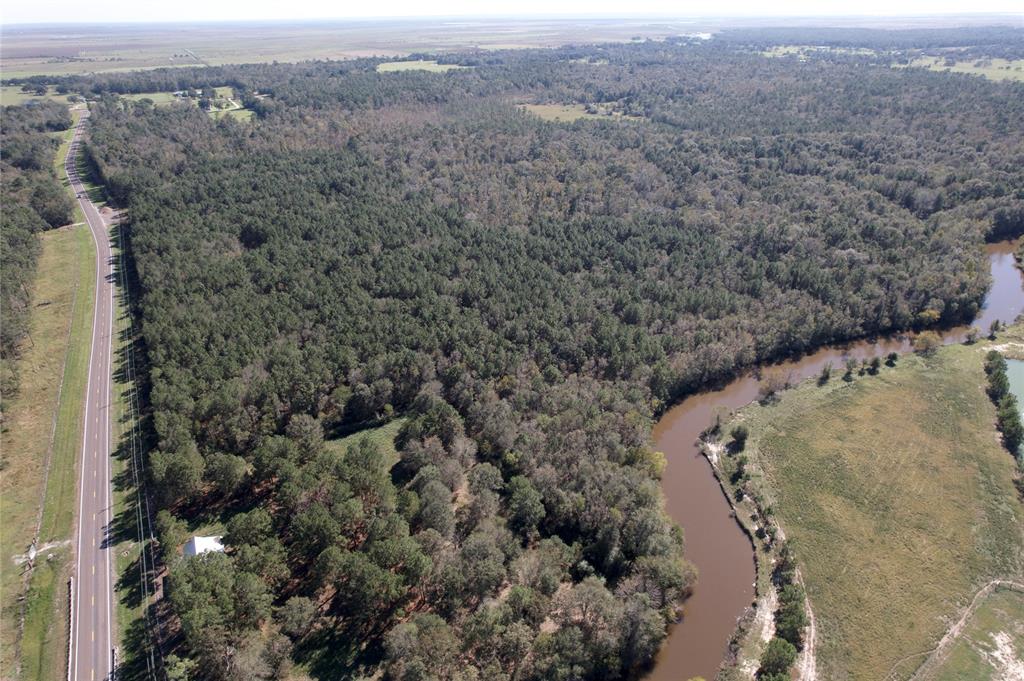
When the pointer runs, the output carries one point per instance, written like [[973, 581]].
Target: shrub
[[739, 437], [778, 657]]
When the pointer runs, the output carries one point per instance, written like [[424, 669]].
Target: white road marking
[[98, 407]]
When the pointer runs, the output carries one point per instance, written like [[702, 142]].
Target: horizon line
[[563, 16]]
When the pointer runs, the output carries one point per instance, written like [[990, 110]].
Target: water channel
[[714, 542]]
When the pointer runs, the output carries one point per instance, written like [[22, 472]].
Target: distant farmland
[[55, 50]]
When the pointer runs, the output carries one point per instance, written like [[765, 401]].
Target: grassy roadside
[[53, 386], [131, 596], [62, 152], [896, 497]]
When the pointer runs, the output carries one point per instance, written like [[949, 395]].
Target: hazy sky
[[19, 11]]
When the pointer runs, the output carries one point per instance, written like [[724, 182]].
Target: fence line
[[71, 621]]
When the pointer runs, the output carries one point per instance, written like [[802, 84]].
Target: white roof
[[197, 545]]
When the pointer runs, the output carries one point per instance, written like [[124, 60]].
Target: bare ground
[[937, 654]]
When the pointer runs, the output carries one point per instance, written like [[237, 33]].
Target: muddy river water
[[714, 542]]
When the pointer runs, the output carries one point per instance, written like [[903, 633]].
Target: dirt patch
[[1004, 659], [938, 654]]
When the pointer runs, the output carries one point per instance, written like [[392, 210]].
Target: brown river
[[715, 543]]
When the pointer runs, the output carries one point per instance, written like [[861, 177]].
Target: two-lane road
[[92, 604]]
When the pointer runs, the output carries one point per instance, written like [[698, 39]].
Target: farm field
[[895, 514], [31, 50]]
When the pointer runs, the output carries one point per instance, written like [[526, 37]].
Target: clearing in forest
[[382, 436], [567, 113], [416, 65], [898, 500], [993, 69]]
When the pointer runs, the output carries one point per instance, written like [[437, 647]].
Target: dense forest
[[33, 200], [526, 296]]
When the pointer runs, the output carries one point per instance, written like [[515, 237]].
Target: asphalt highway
[[92, 626]]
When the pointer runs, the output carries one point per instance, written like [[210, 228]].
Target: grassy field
[[240, 114], [158, 98], [416, 65], [228, 106], [561, 113], [62, 152], [991, 645], [566, 113], [993, 69], [54, 368], [11, 95], [898, 500], [383, 436]]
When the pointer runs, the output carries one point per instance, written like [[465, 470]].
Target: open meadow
[[898, 501]]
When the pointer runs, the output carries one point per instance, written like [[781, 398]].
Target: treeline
[[527, 296], [1008, 413], [33, 200]]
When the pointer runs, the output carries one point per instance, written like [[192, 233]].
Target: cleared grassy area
[[382, 436], [223, 105], [416, 65], [240, 114], [993, 69], [44, 646], [562, 113], [11, 95], [62, 152], [54, 368], [566, 113], [991, 645], [898, 500], [158, 98]]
